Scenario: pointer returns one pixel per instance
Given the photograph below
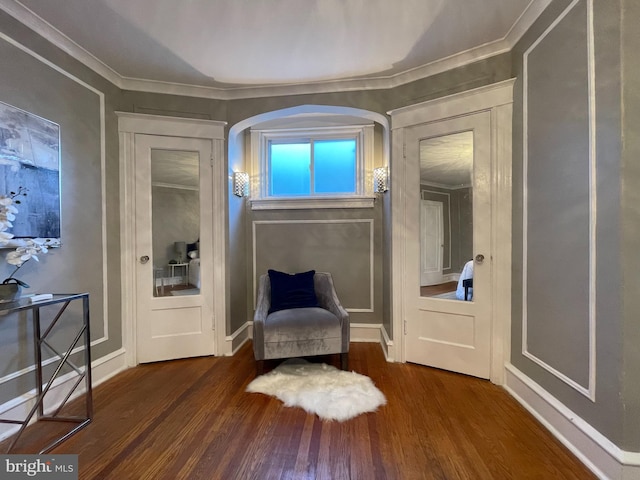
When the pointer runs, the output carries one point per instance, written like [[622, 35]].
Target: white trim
[[497, 99], [370, 308], [170, 126], [398, 283], [590, 390], [237, 339], [365, 332], [501, 229], [101, 370], [463, 103], [127, 244], [387, 345], [260, 186], [460, 59], [236, 149], [130, 124], [311, 203], [358, 333], [445, 186], [598, 453], [43, 28], [448, 195]]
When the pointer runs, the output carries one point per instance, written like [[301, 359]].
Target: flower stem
[[14, 272]]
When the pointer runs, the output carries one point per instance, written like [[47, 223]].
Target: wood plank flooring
[[191, 419], [432, 290]]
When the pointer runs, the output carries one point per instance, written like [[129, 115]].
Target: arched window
[[314, 156]]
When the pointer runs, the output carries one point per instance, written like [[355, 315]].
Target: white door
[[173, 225], [431, 242], [448, 333]]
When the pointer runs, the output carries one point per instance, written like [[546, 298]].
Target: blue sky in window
[[335, 166], [290, 173], [334, 162]]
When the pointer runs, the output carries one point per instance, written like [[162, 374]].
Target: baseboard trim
[[237, 339], [365, 332], [359, 332], [598, 453], [387, 345], [102, 370]]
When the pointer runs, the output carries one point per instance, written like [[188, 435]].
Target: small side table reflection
[[185, 267]]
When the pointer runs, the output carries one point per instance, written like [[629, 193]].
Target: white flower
[[31, 248], [29, 251]]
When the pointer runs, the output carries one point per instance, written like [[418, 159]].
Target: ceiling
[[447, 161], [175, 169], [243, 48]]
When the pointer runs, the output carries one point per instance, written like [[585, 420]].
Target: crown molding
[[57, 38], [43, 28]]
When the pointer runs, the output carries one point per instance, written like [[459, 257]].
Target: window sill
[[311, 203]]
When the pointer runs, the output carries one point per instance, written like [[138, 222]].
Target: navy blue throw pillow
[[292, 290]]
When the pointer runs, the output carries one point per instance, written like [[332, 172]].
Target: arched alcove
[[371, 309], [236, 149]]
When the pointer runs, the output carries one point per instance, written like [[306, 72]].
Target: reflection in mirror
[[175, 219], [446, 216]]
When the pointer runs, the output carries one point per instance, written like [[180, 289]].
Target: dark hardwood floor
[[438, 289], [191, 419]]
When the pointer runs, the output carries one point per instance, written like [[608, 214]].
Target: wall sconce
[[380, 178], [241, 184]]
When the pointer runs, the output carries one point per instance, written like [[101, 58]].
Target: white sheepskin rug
[[330, 393]]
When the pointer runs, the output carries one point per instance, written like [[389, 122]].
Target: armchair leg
[[259, 367], [344, 361]]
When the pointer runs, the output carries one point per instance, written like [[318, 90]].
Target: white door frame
[[130, 124], [440, 242], [498, 100]]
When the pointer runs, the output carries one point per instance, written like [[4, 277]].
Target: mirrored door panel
[[175, 206], [446, 216]]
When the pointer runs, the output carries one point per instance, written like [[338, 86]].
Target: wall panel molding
[[589, 390], [371, 254], [598, 453], [103, 182]]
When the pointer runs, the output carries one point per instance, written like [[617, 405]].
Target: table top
[[24, 303], [178, 264]]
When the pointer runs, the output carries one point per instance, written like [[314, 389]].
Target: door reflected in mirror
[[175, 220], [446, 216]]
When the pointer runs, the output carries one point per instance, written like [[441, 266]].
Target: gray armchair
[[301, 332]]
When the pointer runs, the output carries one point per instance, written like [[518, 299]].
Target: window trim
[[364, 196]]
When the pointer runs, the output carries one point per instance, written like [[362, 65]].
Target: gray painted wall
[[32, 85], [558, 203], [630, 214]]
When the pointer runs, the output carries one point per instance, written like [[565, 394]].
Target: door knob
[[479, 258], [144, 259]]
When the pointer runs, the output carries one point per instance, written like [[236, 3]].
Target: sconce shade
[[380, 177], [240, 184]]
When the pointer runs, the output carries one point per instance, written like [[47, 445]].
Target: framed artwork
[[30, 168]]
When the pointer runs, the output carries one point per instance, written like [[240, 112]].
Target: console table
[[60, 303]]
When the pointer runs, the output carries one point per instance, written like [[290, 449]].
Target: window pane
[[335, 166], [290, 173]]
